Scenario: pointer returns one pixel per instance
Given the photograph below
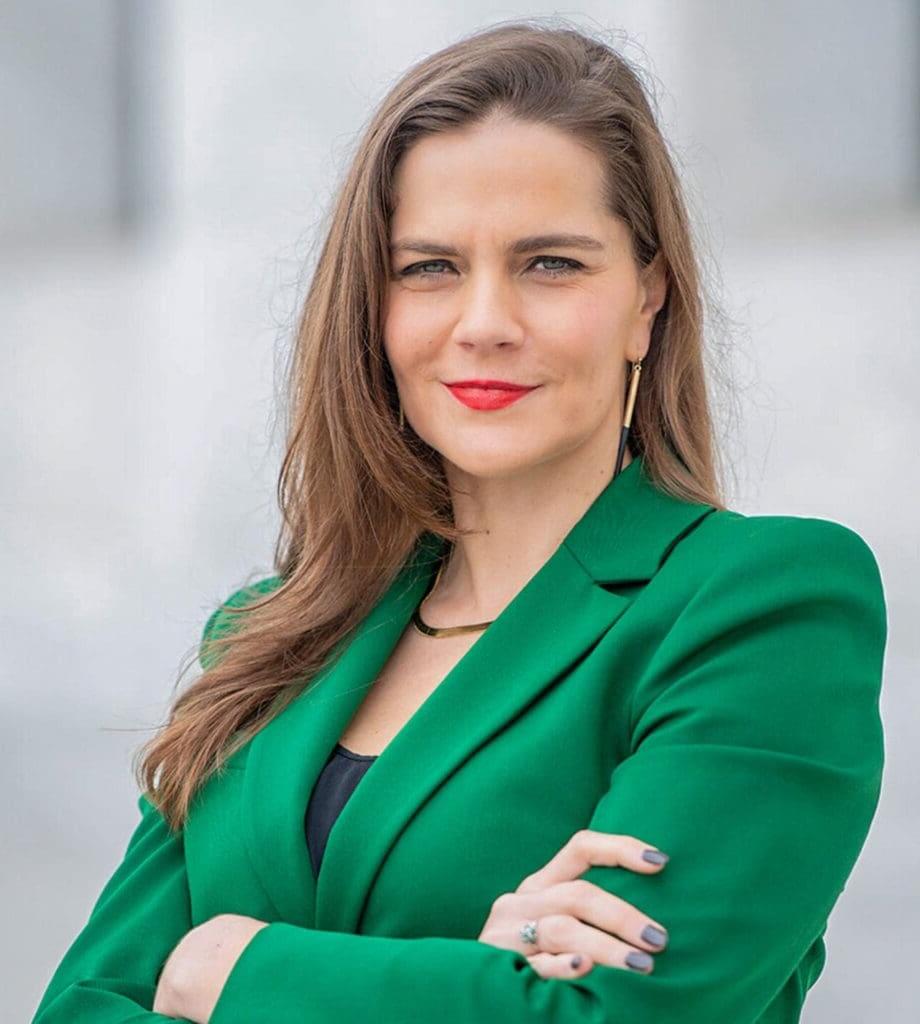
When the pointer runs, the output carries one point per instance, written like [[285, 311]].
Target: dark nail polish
[[576, 961], [655, 857], [654, 935], [639, 961]]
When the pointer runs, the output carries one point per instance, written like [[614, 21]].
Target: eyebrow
[[518, 248]]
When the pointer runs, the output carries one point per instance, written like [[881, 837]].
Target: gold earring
[[627, 415]]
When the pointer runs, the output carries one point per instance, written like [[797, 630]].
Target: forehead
[[507, 174]]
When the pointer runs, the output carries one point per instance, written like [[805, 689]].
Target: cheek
[[407, 337], [585, 351], [585, 331], [588, 368], [602, 323]]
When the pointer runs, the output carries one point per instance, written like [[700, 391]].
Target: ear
[[653, 281]]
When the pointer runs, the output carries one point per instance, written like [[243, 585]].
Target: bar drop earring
[[627, 417]]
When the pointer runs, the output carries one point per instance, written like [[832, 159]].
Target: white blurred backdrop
[[166, 168]]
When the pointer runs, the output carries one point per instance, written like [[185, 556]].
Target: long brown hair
[[355, 491]]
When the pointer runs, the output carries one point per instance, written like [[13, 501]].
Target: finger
[[584, 901], [588, 847], [561, 933], [561, 965]]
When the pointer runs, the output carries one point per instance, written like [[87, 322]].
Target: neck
[[520, 521]]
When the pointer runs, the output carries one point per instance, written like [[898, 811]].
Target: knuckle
[[554, 930], [579, 894], [580, 838], [502, 902]]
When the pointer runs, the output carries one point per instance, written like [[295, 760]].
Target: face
[[471, 299]]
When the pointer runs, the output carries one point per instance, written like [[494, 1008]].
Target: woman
[[516, 653]]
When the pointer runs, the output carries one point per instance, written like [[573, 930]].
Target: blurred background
[[166, 169]]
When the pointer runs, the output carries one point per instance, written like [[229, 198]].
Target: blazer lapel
[[559, 614]]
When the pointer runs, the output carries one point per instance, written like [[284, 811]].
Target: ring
[[528, 932]]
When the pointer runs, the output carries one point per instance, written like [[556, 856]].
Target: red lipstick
[[488, 394]]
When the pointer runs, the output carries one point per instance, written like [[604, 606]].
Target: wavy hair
[[356, 492]]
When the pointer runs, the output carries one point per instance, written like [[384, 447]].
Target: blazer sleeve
[[109, 974], [755, 762]]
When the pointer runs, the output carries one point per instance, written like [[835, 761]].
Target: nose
[[489, 314]]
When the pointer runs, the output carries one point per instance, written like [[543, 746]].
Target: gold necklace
[[439, 631]]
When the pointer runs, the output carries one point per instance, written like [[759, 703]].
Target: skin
[[195, 972], [521, 476]]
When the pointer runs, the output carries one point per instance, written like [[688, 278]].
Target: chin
[[492, 465]]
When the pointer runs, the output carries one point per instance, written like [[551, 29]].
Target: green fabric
[[706, 681], [222, 624]]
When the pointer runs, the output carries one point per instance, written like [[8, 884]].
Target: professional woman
[[527, 725]]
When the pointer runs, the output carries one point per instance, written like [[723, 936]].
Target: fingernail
[[655, 935], [639, 961], [655, 857], [576, 961]]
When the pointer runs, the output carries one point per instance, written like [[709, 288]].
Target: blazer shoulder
[[773, 558], [223, 620], [772, 610], [726, 537]]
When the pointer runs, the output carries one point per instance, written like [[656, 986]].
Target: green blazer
[[703, 680]]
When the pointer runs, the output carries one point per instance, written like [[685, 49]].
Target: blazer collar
[[561, 611]]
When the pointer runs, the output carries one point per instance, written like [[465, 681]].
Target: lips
[[503, 385], [486, 395]]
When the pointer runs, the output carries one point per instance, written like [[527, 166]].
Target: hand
[[196, 970], [565, 907]]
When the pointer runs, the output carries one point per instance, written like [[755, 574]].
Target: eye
[[569, 267], [415, 269]]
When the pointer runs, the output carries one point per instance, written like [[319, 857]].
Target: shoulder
[[806, 582], [223, 619], [768, 619], [246, 595], [728, 544]]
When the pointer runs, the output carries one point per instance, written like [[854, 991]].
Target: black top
[[337, 781]]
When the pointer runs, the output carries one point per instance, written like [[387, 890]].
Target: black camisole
[[342, 772]]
